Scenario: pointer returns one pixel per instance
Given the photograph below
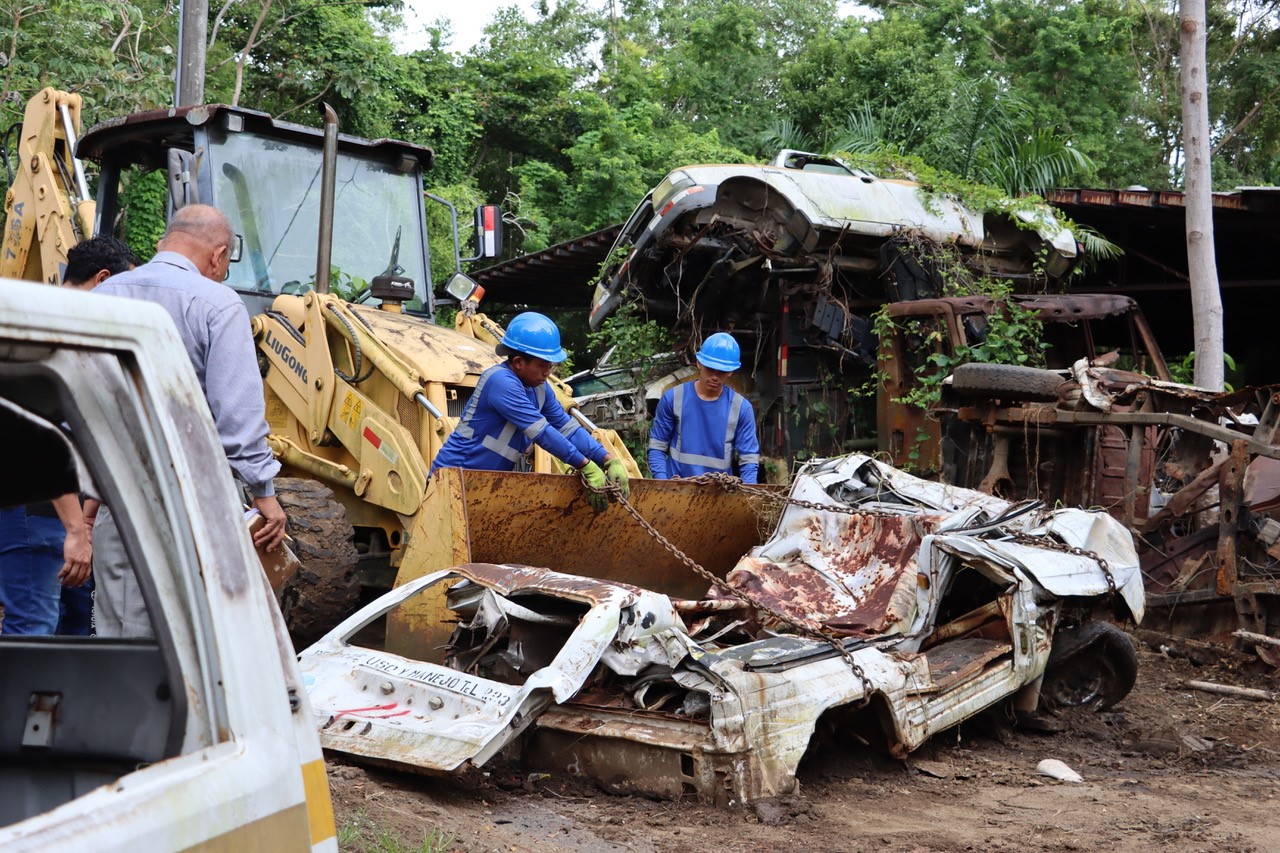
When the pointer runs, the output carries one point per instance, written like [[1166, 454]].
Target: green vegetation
[[1184, 369], [360, 834], [568, 118]]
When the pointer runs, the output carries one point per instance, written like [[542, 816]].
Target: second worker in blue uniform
[[704, 425]]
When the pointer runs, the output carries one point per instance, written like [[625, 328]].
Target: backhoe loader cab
[[265, 175]]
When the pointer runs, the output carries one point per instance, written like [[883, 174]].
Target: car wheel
[[1091, 666]]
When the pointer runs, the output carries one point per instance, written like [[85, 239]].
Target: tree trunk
[[1206, 300]]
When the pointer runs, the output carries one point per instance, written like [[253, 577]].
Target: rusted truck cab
[[1083, 326], [1193, 474]]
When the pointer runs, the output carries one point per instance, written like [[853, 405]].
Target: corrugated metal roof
[[559, 276], [1256, 199]]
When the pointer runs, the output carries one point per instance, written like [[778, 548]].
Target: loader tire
[[1005, 381], [325, 590]]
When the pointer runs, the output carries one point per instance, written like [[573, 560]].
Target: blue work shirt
[[504, 417], [214, 326], [692, 436]]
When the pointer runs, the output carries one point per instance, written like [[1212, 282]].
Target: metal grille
[[408, 412], [457, 399]]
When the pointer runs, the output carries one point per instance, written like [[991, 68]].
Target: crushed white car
[[947, 600]]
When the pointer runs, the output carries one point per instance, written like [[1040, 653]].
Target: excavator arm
[[48, 208]]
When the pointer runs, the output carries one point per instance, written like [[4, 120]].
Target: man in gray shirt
[[185, 279]]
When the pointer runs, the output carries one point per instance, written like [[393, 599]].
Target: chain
[[732, 484], [1050, 545], [835, 641]]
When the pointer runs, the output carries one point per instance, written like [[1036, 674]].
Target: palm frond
[[785, 133], [1096, 246]]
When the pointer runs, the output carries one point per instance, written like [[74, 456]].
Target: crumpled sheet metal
[[854, 574], [1104, 387], [864, 476], [1061, 574], [867, 575], [1101, 534], [385, 706]]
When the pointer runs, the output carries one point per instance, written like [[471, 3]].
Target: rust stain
[[867, 559]]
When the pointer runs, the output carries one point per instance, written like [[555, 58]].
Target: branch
[[1232, 690], [124, 32], [1244, 122], [217, 22], [307, 102], [244, 54]]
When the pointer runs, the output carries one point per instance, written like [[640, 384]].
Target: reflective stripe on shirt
[[721, 463], [464, 428], [501, 443]]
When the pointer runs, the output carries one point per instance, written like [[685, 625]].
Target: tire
[[1006, 381], [325, 590], [1094, 665]]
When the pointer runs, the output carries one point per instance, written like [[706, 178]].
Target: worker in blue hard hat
[[512, 408], [705, 425]]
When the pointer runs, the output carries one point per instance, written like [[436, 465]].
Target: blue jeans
[[30, 559], [76, 619]]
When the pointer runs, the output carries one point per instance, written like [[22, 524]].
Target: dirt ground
[[1168, 768]]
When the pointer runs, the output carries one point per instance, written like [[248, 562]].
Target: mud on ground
[[1168, 768]]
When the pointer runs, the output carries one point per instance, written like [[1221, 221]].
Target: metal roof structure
[[1150, 226], [559, 276]]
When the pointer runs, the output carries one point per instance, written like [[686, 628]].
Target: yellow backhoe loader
[[47, 207], [333, 262]]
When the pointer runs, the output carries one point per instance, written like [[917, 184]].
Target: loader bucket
[[543, 520]]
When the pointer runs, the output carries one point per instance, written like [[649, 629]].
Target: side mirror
[[488, 231]]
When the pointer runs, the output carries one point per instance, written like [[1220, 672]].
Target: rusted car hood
[[860, 575]]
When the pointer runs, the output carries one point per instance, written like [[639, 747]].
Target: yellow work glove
[[595, 480], [617, 474]]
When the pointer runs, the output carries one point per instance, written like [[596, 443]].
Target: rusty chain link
[[614, 492], [1062, 547]]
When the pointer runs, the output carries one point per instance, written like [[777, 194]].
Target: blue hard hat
[[720, 352], [532, 334]]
